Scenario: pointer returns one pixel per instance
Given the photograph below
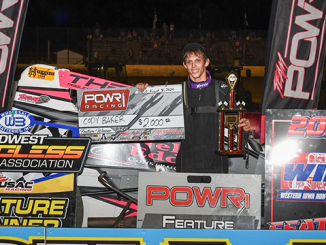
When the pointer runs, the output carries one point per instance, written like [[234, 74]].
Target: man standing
[[171, 31], [165, 30], [198, 151]]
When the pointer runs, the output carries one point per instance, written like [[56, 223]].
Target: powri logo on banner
[[292, 71]]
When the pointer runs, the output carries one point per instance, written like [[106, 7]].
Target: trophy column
[[230, 115]]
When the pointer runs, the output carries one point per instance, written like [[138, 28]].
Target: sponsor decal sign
[[18, 121], [148, 156], [77, 81], [9, 185], [125, 114], [296, 166], [41, 73], [190, 201], [35, 183], [39, 153], [33, 99]]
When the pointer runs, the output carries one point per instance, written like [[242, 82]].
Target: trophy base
[[233, 153]]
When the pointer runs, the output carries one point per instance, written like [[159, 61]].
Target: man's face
[[196, 66]]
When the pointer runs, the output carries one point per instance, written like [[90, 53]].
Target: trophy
[[230, 114]]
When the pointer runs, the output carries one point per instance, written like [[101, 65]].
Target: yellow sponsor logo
[[41, 73], [56, 184], [33, 211]]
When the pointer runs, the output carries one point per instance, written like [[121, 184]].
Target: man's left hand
[[245, 124]]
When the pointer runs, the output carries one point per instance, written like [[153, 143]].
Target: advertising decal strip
[[295, 194], [296, 56], [12, 20]]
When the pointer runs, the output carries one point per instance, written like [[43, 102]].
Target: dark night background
[[215, 14]]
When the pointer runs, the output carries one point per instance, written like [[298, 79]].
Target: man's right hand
[[142, 86]]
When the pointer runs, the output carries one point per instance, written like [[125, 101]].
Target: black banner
[[295, 56], [12, 20]]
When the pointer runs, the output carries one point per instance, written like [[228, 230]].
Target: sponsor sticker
[[34, 99], [41, 73], [16, 121]]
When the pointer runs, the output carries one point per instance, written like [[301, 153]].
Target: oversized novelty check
[[125, 114]]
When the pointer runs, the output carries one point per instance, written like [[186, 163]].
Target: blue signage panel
[[87, 236]]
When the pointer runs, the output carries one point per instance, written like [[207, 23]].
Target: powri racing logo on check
[[105, 100]]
